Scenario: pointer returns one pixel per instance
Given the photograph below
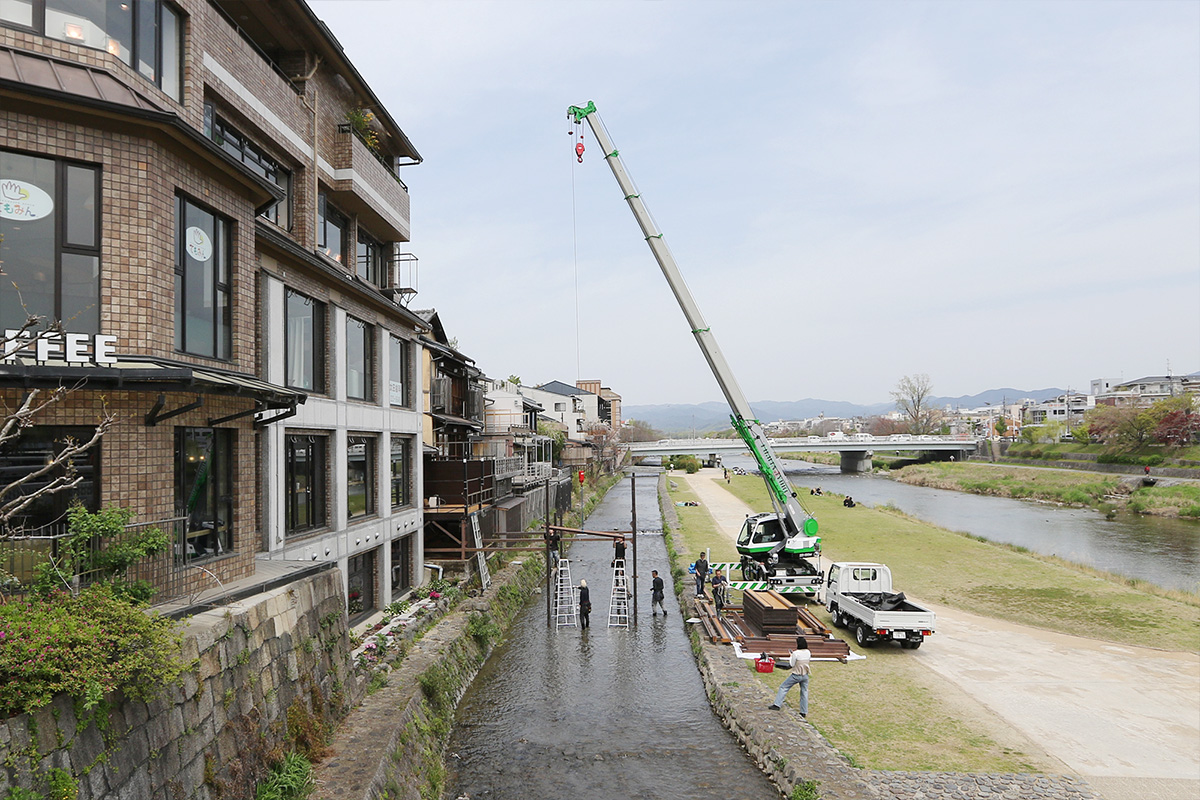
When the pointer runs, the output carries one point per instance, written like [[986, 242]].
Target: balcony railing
[[20, 557]]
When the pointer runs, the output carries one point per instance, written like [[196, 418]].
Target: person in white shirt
[[799, 661]]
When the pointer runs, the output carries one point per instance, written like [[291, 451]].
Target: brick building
[[207, 194]]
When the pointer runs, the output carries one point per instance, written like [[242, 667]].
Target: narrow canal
[[602, 713], [1159, 550]]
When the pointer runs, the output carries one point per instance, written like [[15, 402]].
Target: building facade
[[207, 195]]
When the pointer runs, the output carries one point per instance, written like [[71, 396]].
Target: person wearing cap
[[799, 661], [585, 604], [719, 588]]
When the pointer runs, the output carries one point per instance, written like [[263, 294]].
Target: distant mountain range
[[714, 416]]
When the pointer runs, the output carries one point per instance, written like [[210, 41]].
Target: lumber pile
[[769, 612], [779, 647]]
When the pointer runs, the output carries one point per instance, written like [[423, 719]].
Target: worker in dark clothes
[[585, 604]]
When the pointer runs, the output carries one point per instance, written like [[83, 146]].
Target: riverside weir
[[602, 713]]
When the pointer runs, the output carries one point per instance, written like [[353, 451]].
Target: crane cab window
[[768, 531]]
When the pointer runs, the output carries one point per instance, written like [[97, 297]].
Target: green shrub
[[291, 779], [85, 646], [60, 785], [806, 790], [483, 628]]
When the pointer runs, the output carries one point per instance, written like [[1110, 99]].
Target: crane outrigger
[[777, 548]]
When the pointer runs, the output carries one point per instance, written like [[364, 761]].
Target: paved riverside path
[[1127, 719]]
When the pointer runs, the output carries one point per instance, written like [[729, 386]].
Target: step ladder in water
[[564, 597], [618, 607]]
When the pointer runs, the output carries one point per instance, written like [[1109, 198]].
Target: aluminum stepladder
[[485, 578], [564, 597], [618, 607]]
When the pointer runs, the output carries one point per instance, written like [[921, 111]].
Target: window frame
[[328, 215], [404, 348], [368, 359], [245, 149], [62, 246], [401, 445], [222, 314], [319, 342], [370, 481], [316, 469], [34, 446], [373, 271], [221, 455], [135, 47]]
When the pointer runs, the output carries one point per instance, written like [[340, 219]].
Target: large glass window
[[402, 565], [249, 153], [49, 242], [360, 580], [360, 360], [401, 471], [370, 259], [145, 34], [398, 372], [332, 230], [304, 346], [202, 316], [31, 451], [360, 476], [204, 489], [305, 476]]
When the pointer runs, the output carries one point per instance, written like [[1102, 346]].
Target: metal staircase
[[564, 597], [618, 607]]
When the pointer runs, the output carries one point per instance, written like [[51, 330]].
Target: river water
[[602, 713], [1160, 550]]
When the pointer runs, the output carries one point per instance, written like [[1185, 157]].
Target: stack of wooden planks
[[769, 612]]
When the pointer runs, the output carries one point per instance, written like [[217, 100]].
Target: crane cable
[[576, 131]]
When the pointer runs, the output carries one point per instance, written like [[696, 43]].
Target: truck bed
[[886, 601]]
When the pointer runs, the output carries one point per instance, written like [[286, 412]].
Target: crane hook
[[579, 151]]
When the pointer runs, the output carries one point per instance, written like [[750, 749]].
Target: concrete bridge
[[856, 449]]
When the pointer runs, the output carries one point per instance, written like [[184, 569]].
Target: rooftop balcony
[[364, 185]]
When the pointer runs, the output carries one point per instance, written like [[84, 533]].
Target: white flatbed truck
[[859, 596]]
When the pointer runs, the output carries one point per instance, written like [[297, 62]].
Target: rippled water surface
[[602, 713]]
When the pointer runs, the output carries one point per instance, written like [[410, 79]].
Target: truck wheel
[[860, 636], [911, 644]]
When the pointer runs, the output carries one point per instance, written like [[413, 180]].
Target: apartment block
[[207, 195]]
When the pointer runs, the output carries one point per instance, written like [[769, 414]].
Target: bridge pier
[[856, 460]]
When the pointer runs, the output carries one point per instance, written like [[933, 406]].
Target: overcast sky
[[996, 194]]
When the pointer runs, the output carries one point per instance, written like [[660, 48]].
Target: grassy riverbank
[[887, 712], [1054, 485], [882, 713]]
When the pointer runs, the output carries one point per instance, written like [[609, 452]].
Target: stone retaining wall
[[267, 670]]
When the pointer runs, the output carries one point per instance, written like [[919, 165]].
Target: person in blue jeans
[[799, 661]]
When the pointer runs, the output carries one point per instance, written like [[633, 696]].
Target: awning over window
[[137, 374], [450, 419]]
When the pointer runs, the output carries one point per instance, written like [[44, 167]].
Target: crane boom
[[797, 521]]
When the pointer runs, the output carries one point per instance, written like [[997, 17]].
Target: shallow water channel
[[602, 713], [1163, 551]]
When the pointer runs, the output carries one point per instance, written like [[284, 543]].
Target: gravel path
[[1124, 719]]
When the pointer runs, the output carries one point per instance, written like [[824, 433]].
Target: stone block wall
[[267, 674]]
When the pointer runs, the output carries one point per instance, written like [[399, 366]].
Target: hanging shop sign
[[23, 201], [50, 348]]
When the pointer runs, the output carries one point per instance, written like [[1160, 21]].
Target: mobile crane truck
[[779, 549]]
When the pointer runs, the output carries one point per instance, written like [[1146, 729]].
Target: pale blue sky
[[993, 193]]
